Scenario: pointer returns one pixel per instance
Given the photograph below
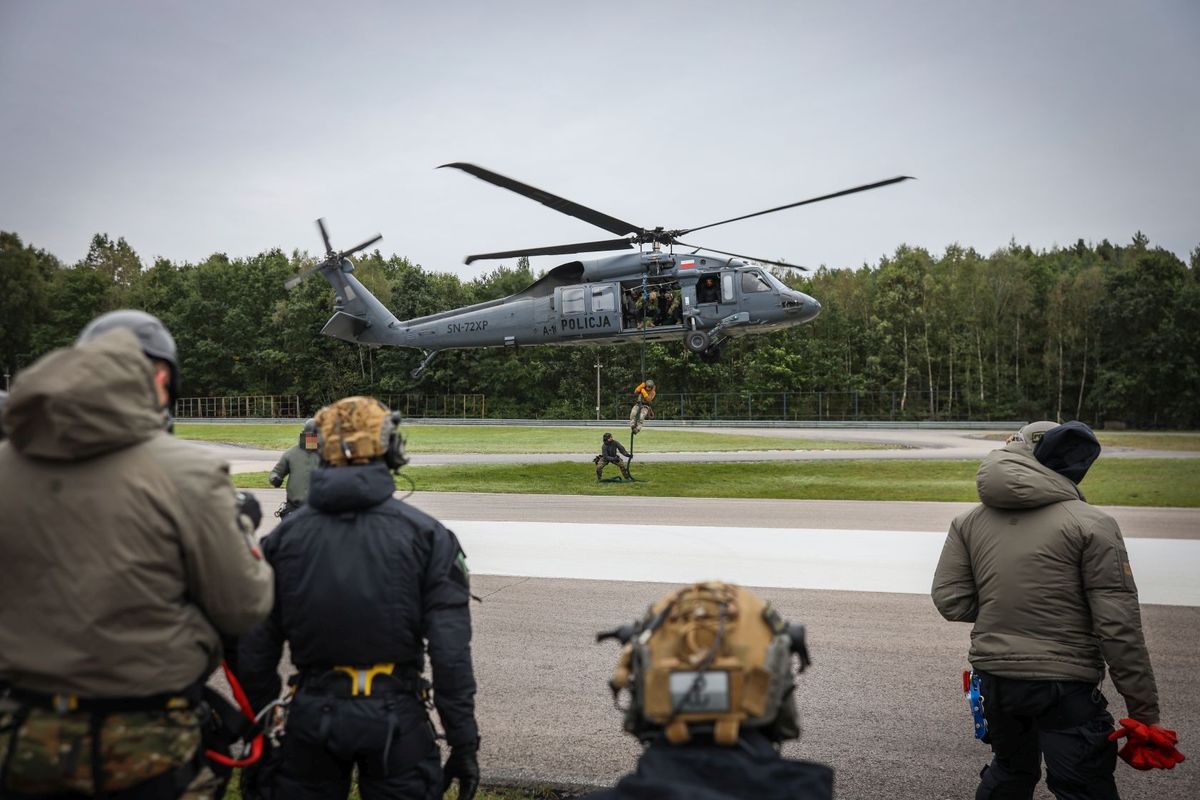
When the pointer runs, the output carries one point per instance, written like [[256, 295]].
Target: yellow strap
[[362, 679]]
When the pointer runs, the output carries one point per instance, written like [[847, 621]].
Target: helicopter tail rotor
[[331, 259]]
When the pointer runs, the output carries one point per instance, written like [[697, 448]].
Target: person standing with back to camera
[[126, 556], [365, 586]]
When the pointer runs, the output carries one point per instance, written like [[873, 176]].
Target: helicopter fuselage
[[627, 298]]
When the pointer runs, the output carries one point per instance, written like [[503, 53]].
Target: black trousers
[[1065, 722], [388, 737]]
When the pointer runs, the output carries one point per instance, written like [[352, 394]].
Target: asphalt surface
[[882, 702]]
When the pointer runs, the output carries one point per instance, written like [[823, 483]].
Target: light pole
[[597, 386]]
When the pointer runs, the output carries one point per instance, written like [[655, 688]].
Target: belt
[[396, 679], [68, 703]]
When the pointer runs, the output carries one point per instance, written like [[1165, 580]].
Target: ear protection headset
[[393, 442]]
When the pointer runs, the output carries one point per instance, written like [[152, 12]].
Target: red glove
[[1149, 746]]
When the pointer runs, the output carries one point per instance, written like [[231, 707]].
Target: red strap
[[256, 744]]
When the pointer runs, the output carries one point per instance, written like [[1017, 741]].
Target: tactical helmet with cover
[[156, 341], [310, 429], [709, 659], [358, 430]]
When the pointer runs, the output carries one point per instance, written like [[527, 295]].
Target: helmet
[[710, 659], [310, 429], [650, 384], [607, 436], [1033, 432], [156, 341], [358, 430]]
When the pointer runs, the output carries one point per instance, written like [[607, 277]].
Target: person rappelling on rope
[[643, 397]]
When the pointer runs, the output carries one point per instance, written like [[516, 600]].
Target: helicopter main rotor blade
[[739, 255], [864, 188], [325, 236], [293, 281], [362, 246], [558, 249], [560, 204]]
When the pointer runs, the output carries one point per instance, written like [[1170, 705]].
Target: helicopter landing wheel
[[696, 341]]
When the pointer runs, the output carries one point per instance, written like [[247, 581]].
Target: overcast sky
[[217, 126]]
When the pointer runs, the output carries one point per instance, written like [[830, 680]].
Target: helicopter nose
[[812, 308], [802, 306]]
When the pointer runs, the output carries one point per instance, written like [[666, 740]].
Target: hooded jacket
[[751, 770], [362, 578], [1046, 579], [122, 555]]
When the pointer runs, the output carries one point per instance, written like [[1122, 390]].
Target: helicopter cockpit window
[[727, 287], [572, 301], [603, 299], [753, 281]]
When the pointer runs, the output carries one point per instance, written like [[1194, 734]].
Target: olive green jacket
[[297, 465], [121, 551], [1046, 580]]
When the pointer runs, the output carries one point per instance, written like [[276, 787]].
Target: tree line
[[1100, 332]]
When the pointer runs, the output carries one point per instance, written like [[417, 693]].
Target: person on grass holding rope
[[127, 558], [365, 586], [643, 398], [609, 449]]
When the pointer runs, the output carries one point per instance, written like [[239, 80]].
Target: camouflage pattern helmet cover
[[358, 430], [710, 659], [650, 383], [156, 341]]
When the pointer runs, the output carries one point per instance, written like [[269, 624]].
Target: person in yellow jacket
[[643, 397]]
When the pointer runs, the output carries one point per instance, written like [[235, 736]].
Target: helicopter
[[704, 297]]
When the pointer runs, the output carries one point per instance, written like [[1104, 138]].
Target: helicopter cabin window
[[754, 282], [572, 301], [727, 287], [603, 299]]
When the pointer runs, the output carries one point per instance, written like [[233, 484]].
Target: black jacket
[[751, 770], [362, 578], [610, 448]]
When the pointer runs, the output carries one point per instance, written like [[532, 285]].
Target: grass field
[[1126, 482], [1183, 440], [520, 439]]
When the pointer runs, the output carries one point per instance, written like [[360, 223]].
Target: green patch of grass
[[1184, 440], [1132, 482], [521, 439]]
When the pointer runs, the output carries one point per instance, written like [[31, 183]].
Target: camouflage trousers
[[51, 753], [638, 416]]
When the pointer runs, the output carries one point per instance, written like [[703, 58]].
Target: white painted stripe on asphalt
[[1167, 570]]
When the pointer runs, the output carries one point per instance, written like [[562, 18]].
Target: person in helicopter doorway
[[297, 465], [643, 397], [707, 290], [609, 449], [667, 308]]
